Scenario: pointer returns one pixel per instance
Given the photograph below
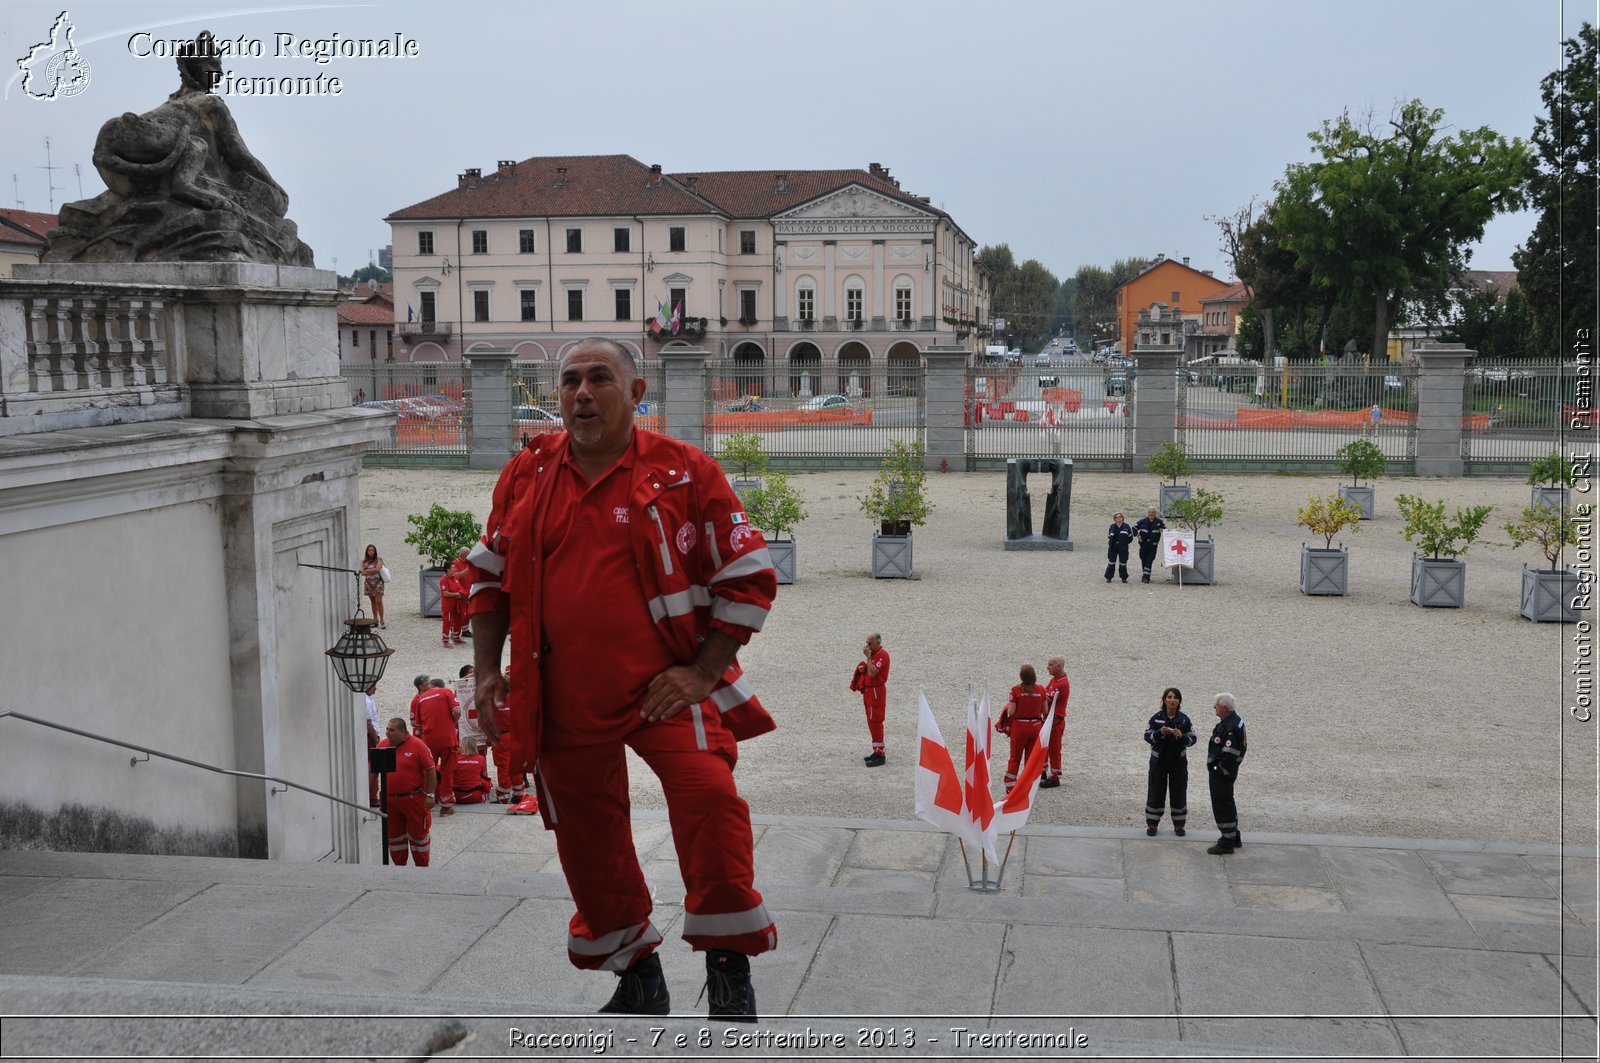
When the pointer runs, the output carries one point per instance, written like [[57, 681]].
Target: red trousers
[[452, 615], [507, 786], [1024, 733], [876, 702], [409, 822], [1060, 727], [476, 796], [444, 759], [584, 799]]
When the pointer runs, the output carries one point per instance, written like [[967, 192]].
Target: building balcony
[[423, 328]]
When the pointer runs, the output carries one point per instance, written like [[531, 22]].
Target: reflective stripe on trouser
[[875, 700], [1165, 779], [1056, 732], [1024, 733], [710, 830], [1223, 809]]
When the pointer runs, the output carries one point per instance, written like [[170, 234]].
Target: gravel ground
[[1367, 715]]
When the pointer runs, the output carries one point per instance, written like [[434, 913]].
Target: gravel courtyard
[[1367, 715]]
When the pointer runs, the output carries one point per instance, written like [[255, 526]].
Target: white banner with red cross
[[1177, 548]]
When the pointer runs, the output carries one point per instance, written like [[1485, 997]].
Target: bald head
[[589, 348]]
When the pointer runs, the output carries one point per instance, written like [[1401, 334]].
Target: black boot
[[641, 990], [733, 998]]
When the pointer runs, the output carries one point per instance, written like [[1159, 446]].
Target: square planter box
[[1547, 597], [742, 486], [1554, 497], [1324, 571], [1438, 584], [1205, 552], [428, 585], [783, 559], [1365, 497], [891, 556], [1170, 492]]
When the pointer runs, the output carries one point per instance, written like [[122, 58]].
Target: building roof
[[620, 185], [1498, 281], [26, 226], [1233, 293], [1160, 262], [371, 313]]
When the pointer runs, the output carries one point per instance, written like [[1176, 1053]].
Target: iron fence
[[1249, 417], [837, 414], [536, 401], [433, 423], [1072, 410], [1515, 411]]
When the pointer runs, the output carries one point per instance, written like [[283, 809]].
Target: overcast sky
[[1077, 131]]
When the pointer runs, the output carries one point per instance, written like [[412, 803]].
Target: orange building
[[1168, 281]]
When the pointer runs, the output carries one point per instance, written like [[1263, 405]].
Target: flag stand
[[983, 884]]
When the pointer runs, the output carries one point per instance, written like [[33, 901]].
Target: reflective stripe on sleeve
[[1231, 752], [741, 614], [711, 544], [733, 695], [744, 565], [679, 603], [487, 585], [486, 559], [727, 924]]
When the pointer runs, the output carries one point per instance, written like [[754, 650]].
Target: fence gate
[[1075, 410], [1515, 411], [431, 404]]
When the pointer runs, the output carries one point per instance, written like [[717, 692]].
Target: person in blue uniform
[[1169, 735], [1117, 540], [1223, 757], [1149, 531]]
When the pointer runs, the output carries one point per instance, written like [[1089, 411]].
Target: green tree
[[1382, 217], [1556, 268], [1493, 327], [1024, 295], [1064, 319], [1094, 299]]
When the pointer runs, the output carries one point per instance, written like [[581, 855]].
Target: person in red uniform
[[452, 607], [437, 713], [410, 786], [1022, 718], [873, 674], [470, 783], [463, 574], [648, 526], [1056, 693]]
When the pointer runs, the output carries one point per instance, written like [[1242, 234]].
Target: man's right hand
[[489, 696]]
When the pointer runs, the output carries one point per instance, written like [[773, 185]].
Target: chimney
[[506, 167], [655, 173], [877, 171], [561, 177], [783, 184], [469, 179], [693, 181], [1185, 260]]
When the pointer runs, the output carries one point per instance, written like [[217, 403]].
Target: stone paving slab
[[879, 879], [56, 930], [896, 850], [1495, 874], [225, 934], [899, 967], [1387, 882], [527, 950], [1179, 873], [788, 856], [1279, 865], [1287, 898], [1047, 970], [1581, 974], [1087, 857], [1073, 887]]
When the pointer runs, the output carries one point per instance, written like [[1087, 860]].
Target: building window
[[427, 300], [425, 243], [1174, 300], [902, 305], [575, 304], [675, 238], [747, 306], [805, 304], [678, 299], [574, 241], [480, 306], [620, 240], [747, 241], [530, 304], [624, 300], [355, 338], [525, 241], [389, 340], [852, 304], [480, 241]]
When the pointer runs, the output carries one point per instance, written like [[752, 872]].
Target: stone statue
[[180, 186]]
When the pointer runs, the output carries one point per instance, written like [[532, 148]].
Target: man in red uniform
[[463, 574], [452, 607], [437, 713], [413, 779], [470, 783], [1056, 693], [602, 513], [874, 674], [421, 683]]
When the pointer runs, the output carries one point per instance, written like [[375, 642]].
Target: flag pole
[[1005, 861]]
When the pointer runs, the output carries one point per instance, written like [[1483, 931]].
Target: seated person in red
[[471, 780]]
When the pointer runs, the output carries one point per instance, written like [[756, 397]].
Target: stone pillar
[[1157, 400], [946, 404], [780, 284], [877, 286], [684, 402], [493, 442], [931, 313], [1441, 397], [828, 309]]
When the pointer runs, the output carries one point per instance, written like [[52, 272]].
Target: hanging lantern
[[360, 655]]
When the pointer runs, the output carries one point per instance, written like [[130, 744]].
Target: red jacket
[[702, 568]]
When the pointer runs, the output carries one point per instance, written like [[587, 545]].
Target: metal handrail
[[192, 763]]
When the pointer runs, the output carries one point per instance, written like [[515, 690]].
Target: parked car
[[535, 419], [826, 402], [1042, 358], [748, 404]]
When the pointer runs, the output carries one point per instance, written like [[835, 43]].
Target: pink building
[[801, 267]]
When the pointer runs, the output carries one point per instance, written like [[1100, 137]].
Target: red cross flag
[[1177, 547], [938, 787], [978, 813], [1013, 813]]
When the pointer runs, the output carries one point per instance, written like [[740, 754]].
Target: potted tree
[[776, 507], [1170, 463], [1438, 575], [898, 501], [742, 450], [440, 535], [1327, 571], [1550, 476], [1195, 512], [1553, 595], [1357, 459]]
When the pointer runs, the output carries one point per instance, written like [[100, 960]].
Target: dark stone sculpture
[[180, 186], [1057, 505]]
